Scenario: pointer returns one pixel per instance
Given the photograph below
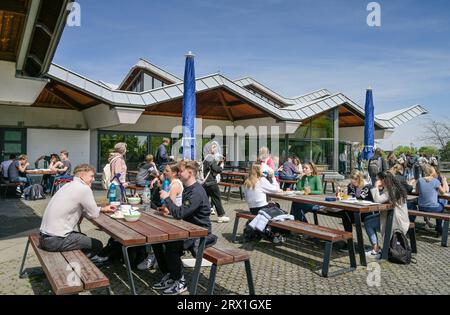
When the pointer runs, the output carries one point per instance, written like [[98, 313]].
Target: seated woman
[[175, 194], [394, 193], [289, 171], [311, 184], [147, 171], [429, 188], [256, 186], [398, 171], [54, 165]]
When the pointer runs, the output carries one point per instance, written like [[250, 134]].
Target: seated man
[[5, 165], [16, 172], [195, 209], [66, 170], [64, 212], [147, 171]]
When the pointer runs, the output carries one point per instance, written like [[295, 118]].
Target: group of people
[[14, 169]]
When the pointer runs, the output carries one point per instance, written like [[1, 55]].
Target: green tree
[[404, 149], [445, 153], [429, 150]]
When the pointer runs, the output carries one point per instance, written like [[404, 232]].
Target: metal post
[[326, 258], [336, 139], [444, 242], [360, 239], [212, 279], [248, 271], [128, 266], [198, 264], [235, 227], [387, 234], [351, 253], [21, 273]]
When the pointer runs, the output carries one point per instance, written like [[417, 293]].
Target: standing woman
[[393, 192], [391, 160], [266, 159], [311, 184], [212, 168], [119, 168]]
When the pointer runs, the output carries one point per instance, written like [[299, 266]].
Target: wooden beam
[[224, 105], [64, 98], [13, 6]]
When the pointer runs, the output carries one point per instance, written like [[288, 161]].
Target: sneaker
[[223, 219], [148, 263], [213, 211], [99, 260], [278, 239], [177, 287], [18, 190], [165, 283], [372, 254]]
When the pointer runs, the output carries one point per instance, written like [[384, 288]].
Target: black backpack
[[34, 192], [399, 249]]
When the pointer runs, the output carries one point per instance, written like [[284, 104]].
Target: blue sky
[[292, 46]]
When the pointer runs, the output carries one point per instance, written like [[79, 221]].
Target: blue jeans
[[372, 225], [20, 180], [298, 210]]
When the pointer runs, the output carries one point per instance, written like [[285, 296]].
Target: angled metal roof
[[145, 65], [298, 100], [297, 112]]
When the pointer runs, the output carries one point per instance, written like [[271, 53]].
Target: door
[[12, 141]]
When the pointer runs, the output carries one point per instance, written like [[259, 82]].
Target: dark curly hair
[[395, 190]]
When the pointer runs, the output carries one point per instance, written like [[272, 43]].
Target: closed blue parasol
[[189, 109], [369, 126]]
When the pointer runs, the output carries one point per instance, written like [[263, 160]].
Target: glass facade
[[314, 141]]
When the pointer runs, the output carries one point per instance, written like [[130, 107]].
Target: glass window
[[13, 135], [323, 126], [300, 149], [322, 153], [156, 83], [148, 82]]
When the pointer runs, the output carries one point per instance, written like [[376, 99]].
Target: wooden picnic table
[[357, 210], [41, 172], [152, 228], [234, 174]]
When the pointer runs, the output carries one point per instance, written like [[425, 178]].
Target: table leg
[[128, 266], [198, 265], [387, 234], [360, 239]]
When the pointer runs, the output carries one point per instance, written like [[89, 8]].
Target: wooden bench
[[328, 235], [133, 188], [225, 256], [229, 186], [68, 272], [6, 185], [439, 216], [284, 182]]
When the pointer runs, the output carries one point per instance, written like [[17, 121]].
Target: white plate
[[117, 215]]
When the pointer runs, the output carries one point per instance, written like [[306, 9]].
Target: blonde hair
[[396, 169], [120, 147], [429, 171], [253, 176], [358, 175], [23, 157], [263, 153], [83, 168]]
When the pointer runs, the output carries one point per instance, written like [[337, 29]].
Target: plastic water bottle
[[146, 196], [307, 186], [165, 187], [112, 193]]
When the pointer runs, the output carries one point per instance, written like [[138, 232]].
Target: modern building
[[45, 108]]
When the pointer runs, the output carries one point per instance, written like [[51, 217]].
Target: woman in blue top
[[429, 188]]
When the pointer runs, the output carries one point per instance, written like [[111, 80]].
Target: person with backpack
[[195, 209], [212, 168], [394, 193], [377, 164], [118, 168]]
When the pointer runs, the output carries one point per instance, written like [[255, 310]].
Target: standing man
[[195, 209], [343, 162], [161, 155], [377, 164], [5, 165], [65, 210]]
